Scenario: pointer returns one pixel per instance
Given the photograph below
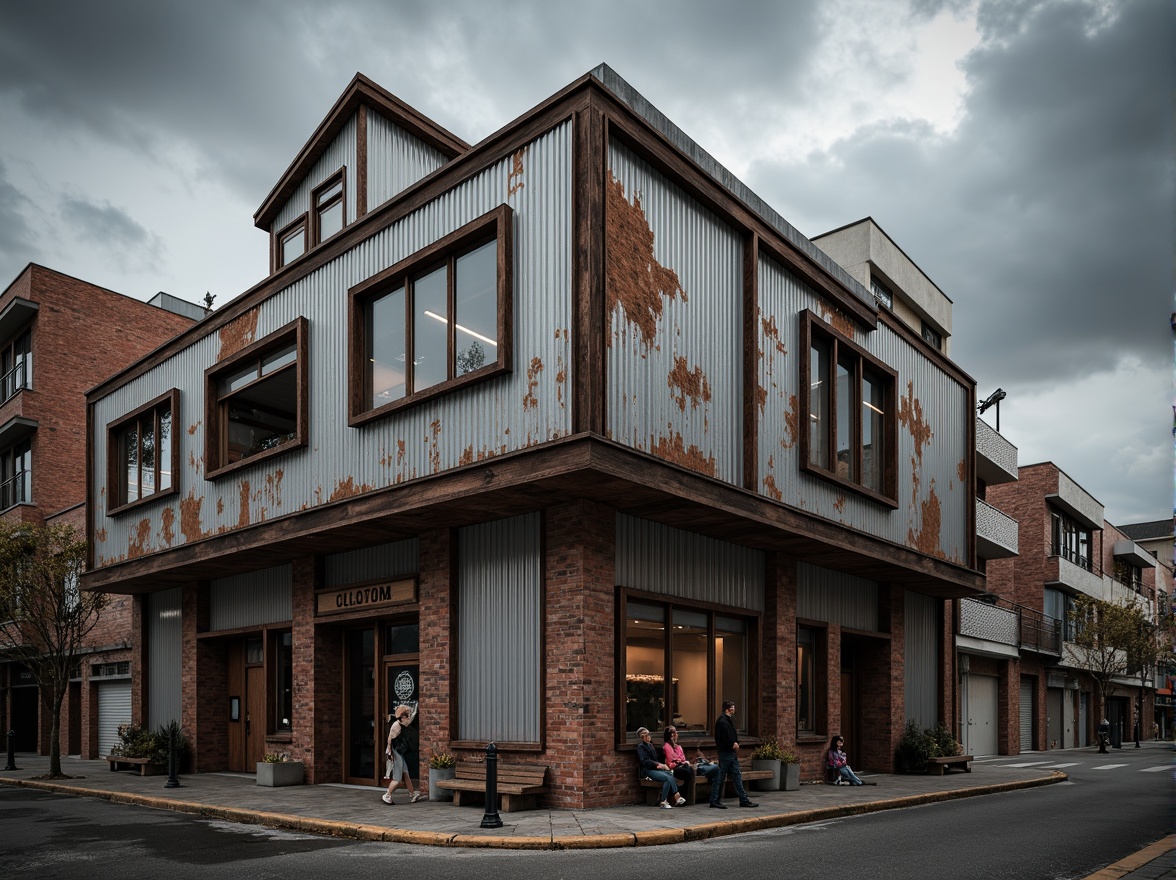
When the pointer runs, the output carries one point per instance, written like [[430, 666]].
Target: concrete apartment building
[[556, 435], [60, 336]]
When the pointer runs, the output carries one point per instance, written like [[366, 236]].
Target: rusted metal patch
[[910, 415], [530, 401], [400, 452], [190, 516], [674, 450], [168, 530], [273, 488], [100, 534], [243, 513], [962, 470], [192, 429], [514, 180], [467, 456], [685, 383], [770, 482], [772, 332], [838, 321], [791, 423], [839, 504], [761, 397], [140, 541], [195, 463], [347, 488], [237, 334], [926, 540], [634, 279], [434, 446], [220, 506]]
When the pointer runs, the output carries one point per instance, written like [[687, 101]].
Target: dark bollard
[[12, 751], [491, 819], [172, 781]]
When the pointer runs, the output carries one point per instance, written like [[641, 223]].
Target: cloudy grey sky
[[1020, 152]]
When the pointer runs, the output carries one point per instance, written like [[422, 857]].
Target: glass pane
[[262, 417], [846, 458], [254, 652], [130, 457], [873, 433], [819, 405], [688, 644], [402, 639], [147, 471], [237, 380], [476, 321], [165, 450], [361, 704], [274, 361], [430, 330], [645, 664], [330, 220], [731, 668], [385, 355], [806, 716], [293, 245], [330, 192], [283, 682], [402, 683]]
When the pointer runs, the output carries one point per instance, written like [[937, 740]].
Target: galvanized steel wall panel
[[525, 408], [677, 396], [661, 559], [922, 619], [395, 159], [836, 597], [933, 498], [343, 150], [500, 629], [163, 669], [251, 599], [395, 559]]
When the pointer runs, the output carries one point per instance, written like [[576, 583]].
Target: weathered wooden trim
[[751, 362], [589, 158], [361, 161]]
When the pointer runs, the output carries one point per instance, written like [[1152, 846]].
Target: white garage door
[[1027, 714], [114, 708], [981, 715]]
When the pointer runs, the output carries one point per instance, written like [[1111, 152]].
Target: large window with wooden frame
[[328, 206], [810, 681], [143, 455], [16, 475], [256, 401], [847, 404], [439, 320], [290, 243], [681, 660], [16, 365]]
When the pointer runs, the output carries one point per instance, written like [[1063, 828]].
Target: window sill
[[288, 446], [809, 739], [480, 745], [141, 502], [849, 485], [283, 738]]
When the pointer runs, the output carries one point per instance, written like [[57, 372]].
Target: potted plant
[[276, 768], [768, 756], [442, 765], [790, 765]]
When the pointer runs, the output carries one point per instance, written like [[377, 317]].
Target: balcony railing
[[1008, 623], [996, 457], [996, 532]]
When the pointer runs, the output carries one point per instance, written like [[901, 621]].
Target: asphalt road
[[1112, 806]]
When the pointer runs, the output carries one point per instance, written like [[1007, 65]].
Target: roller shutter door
[[1026, 715], [114, 708]]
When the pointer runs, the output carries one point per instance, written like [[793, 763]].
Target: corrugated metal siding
[[395, 559], [396, 159], [836, 597], [529, 406], [114, 708], [701, 331], [928, 474], [922, 618], [661, 559], [342, 151], [164, 668], [252, 599], [500, 629]]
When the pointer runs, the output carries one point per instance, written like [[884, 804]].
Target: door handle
[[247, 723]]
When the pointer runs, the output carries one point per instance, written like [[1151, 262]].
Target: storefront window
[[283, 682], [645, 660], [807, 640], [731, 668]]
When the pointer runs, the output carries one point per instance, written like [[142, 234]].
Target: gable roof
[[1160, 528], [361, 90]]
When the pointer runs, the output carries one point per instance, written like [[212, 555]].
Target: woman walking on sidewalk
[[397, 769]]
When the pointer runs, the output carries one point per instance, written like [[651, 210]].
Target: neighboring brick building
[[60, 336], [559, 435]]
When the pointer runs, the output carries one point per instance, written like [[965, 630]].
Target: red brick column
[[580, 584], [1008, 707], [436, 686], [778, 652], [315, 751], [204, 694]]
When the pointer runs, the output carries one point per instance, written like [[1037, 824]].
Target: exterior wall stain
[[839, 504], [674, 450], [195, 463], [100, 534], [237, 334], [467, 455], [168, 531], [634, 279], [533, 371], [140, 543], [910, 414], [688, 383], [434, 446], [838, 321], [243, 515], [791, 423], [273, 488], [561, 381], [347, 488], [770, 482], [514, 179], [962, 470], [772, 332], [192, 429], [220, 506], [926, 540], [190, 516]]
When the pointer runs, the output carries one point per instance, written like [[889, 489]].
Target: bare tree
[[1150, 647], [44, 617], [1103, 635]]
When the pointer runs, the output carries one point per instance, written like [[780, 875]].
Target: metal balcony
[[996, 457], [1003, 623], [996, 532]]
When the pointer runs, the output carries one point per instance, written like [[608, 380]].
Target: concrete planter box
[[771, 764], [436, 793], [286, 773], [791, 777]]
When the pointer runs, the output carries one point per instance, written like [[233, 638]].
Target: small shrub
[[441, 761], [946, 745], [915, 747], [768, 750], [790, 758], [275, 757]]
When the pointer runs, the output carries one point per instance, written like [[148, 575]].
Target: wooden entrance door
[[246, 710]]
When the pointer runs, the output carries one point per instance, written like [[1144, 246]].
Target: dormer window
[[292, 242], [328, 210]]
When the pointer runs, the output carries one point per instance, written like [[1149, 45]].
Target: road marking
[[1109, 767], [1156, 769], [1070, 764], [1026, 764]]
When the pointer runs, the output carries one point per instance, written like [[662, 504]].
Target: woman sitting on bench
[[649, 767], [837, 764]]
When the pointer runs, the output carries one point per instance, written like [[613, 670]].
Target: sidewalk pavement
[[357, 811], [1155, 862]]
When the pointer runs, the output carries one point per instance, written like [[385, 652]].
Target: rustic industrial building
[[557, 435]]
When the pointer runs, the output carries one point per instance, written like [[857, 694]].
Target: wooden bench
[[518, 785], [652, 788], [146, 768], [938, 766]]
